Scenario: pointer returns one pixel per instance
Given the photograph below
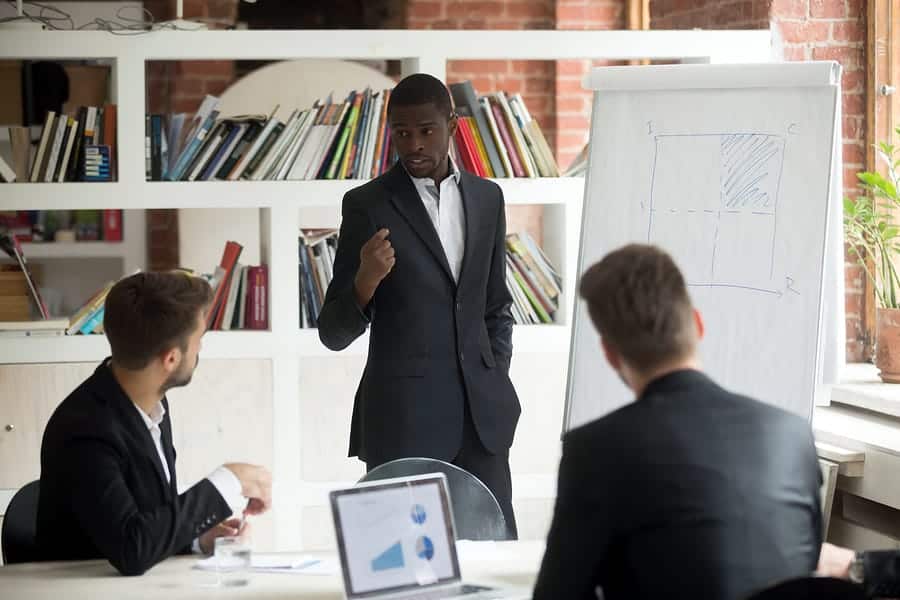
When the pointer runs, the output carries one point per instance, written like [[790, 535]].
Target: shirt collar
[[454, 173], [155, 417]]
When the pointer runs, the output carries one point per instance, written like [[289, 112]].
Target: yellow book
[[479, 143]]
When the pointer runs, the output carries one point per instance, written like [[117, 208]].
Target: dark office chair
[[475, 509], [812, 588], [19, 536]]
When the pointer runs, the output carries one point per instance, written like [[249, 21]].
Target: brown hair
[[148, 313], [639, 303]]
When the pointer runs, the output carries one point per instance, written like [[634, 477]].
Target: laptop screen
[[395, 535]]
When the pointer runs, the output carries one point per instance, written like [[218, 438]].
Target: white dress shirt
[[225, 482], [444, 206]]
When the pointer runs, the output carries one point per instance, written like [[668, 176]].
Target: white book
[[6, 172], [307, 141], [241, 165], [232, 296], [42, 146], [148, 161], [242, 301], [60, 133], [67, 154], [90, 125], [312, 139], [276, 150], [369, 146]]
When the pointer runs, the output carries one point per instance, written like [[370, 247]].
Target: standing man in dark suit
[[108, 487], [690, 491], [421, 260]]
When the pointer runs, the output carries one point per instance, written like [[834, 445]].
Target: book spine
[[112, 224]]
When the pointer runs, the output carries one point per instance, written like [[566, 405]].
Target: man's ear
[[698, 323], [452, 124], [170, 359]]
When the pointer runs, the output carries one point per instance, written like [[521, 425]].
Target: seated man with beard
[[108, 487]]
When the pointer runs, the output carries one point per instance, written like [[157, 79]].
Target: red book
[[257, 297], [112, 224], [229, 258], [472, 146]]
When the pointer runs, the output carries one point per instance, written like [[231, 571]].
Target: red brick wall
[[809, 30], [574, 103]]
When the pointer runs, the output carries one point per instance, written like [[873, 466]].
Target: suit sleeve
[[579, 522], [341, 320], [881, 573], [132, 539], [497, 315]]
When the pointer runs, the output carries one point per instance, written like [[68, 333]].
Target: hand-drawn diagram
[[714, 204]]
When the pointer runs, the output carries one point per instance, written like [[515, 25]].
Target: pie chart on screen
[[424, 548]]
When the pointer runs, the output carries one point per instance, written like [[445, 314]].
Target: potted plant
[[872, 233]]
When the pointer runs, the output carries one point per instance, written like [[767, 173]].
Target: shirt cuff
[[229, 487], [195, 547]]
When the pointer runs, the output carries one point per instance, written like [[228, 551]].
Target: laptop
[[396, 539]]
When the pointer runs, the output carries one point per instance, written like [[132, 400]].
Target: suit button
[[462, 357], [458, 307]]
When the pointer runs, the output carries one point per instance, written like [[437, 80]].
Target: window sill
[[860, 387]]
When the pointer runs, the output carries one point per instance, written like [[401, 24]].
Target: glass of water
[[232, 554]]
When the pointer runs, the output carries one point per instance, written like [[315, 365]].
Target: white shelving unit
[[282, 205]]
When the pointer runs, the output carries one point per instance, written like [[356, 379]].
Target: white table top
[[504, 564]]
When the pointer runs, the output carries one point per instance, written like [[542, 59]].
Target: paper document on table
[[280, 563]]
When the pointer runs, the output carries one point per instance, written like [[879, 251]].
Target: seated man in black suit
[[690, 491], [108, 485]]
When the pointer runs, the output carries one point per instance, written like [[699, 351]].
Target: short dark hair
[[638, 301], [418, 89], [148, 313]]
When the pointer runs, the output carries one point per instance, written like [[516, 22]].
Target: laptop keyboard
[[463, 590]]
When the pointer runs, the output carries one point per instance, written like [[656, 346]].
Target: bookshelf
[[308, 388]]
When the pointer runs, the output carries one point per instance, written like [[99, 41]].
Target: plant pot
[[887, 344]]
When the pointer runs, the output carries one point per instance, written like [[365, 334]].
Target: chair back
[[476, 512], [811, 588], [19, 536]]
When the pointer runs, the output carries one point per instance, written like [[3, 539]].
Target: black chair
[[476, 511], [811, 588], [19, 536]]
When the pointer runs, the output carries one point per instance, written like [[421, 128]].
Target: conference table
[[501, 564]]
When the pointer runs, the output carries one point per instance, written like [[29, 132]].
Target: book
[[40, 159], [20, 141], [233, 294], [229, 258], [94, 303], [7, 173], [72, 132], [97, 165], [257, 298]]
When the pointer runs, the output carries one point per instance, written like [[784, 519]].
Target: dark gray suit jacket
[[434, 344], [689, 492]]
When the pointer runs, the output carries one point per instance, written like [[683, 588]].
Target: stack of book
[[317, 251], [350, 139], [330, 140], [89, 318], [497, 137], [531, 278], [79, 147], [240, 293]]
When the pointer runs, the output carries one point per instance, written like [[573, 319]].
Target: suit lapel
[[408, 203], [169, 447], [473, 217]]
